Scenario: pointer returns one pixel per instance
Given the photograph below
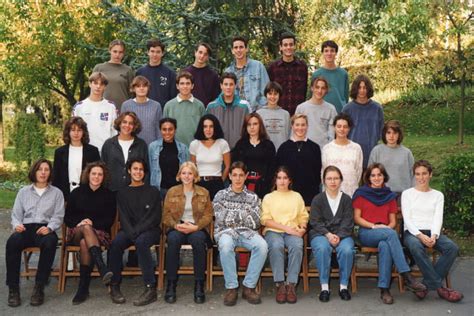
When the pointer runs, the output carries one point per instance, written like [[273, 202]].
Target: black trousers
[[199, 240], [213, 186], [19, 241]]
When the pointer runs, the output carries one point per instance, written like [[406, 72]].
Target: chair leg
[[354, 278]]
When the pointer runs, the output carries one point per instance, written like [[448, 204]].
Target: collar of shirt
[[294, 140], [282, 62], [191, 99]]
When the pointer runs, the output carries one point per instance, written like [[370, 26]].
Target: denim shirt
[[255, 79], [154, 155]]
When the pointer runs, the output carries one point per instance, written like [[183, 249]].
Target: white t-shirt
[[40, 191], [209, 160], [125, 144], [100, 117], [74, 166], [334, 203]]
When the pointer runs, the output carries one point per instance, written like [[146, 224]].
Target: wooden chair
[[31, 271], [217, 270], [189, 270], [75, 250], [358, 272]]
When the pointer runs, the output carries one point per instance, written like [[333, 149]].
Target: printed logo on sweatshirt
[[163, 81], [104, 116]]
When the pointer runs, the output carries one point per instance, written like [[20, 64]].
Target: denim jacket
[[255, 79], [154, 150]]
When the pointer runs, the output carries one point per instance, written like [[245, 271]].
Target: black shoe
[[170, 295], [324, 296], [84, 280], [199, 295], [345, 295], [147, 297], [105, 273], [37, 298], [115, 294], [14, 298]]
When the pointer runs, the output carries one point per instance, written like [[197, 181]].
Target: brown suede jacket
[[175, 200]]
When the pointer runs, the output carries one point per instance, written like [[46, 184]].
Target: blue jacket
[[154, 155], [255, 79]]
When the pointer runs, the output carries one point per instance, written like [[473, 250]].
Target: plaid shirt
[[293, 78]]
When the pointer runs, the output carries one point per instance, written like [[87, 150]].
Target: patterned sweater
[[236, 214]]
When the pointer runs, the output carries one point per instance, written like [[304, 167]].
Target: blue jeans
[[390, 251], [433, 275], [322, 251], [143, 243], [258, 254], [276, 253]]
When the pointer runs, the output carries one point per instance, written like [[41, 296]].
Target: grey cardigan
[[323, 221]]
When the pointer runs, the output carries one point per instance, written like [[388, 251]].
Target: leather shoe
[[170, 295], [37, 298], [280, 297], [412, 284], [251, 295], [324, 296], [386, 297], [450, 295], [199, 295], [345, 295], [14, 298], [291, 293], [148, 296], [230, 297], [421, 294], [116, 295]]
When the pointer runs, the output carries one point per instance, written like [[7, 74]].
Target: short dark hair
[[373, 166], [356, 83], [286, 35], [329, 43], [184, 74], [262, 132], [139, 80], [206, 45], [80, 123], [228, 75], [343, 116], [396, 127], [316, 79], [238, 165], [423, 163], [275, 175], [218, 133], [35, 167], [137, 126], [332, 168], [99, 76], [240, 38], [273, 86], [154, 42], [131, 161], [87, 170], [168, 120]]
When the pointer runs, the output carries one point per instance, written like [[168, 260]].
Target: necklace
[[299, 145]]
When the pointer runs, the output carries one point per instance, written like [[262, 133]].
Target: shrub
[[28, 138], [458, 186]]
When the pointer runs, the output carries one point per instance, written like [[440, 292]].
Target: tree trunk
[[463, 91]]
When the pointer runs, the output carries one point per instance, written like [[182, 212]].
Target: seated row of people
[[90, 212]]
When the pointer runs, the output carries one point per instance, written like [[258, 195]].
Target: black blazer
[[60, 166]]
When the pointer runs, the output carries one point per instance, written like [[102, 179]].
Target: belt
[[211, 178]]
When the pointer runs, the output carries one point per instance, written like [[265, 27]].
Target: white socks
[[324, 287]]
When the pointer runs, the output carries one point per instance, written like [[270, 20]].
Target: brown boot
[[386, 297], [230, 297], [280, 293], [251, 295], [291, 293]]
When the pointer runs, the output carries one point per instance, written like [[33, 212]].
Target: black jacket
[[60, 167]]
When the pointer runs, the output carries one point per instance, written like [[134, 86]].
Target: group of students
[[185, 153]]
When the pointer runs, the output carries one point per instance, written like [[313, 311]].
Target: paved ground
[[364, 302]]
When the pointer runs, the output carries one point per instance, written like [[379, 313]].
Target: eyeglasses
[[333, 179]]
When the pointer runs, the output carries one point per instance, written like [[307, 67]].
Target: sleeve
[[317, 164], [381, 122], [125, 222], [373, 157], [346, 87], [18, 212], [113, 114], [219, 212], [237, 153], [58, 213], [359, 162], [316, 218], [438, 215], [166, 110], [393, 206], [193, 147], [347, 222], [411, 162], [71, 214], [303, 215], [224, 146], [331, 132], [168, 219], [358, 203], [56, 169], [152, 218], [207, 214], [407, 211], [252, 220], [266, 209], [105, 152], [110, 209], [173, 91], [264, 79]]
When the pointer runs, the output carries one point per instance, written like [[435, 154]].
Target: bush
[[458, 186], [53, 135], [432, 111], [28, 138]]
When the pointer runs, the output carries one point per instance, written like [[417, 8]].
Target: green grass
[[10, 153], [7, 198]]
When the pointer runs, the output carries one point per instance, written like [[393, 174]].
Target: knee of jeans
[[346, 251], [261, 247], [49, 242], [275, 244], [225, 246], [383, 246], [390, 233], [172, 238], [14, 241]]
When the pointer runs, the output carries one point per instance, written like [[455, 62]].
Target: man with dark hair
[[206, 79], [337, 77], [185, 108], [291, 73], [251, 75], [229, 109], [161, 77], [237, 212]]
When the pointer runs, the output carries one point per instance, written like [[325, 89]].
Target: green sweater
[[187, 113], [120, 77]]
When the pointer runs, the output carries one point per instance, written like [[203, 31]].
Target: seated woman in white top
[[422, 209], [208, 151], [344, 154]]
